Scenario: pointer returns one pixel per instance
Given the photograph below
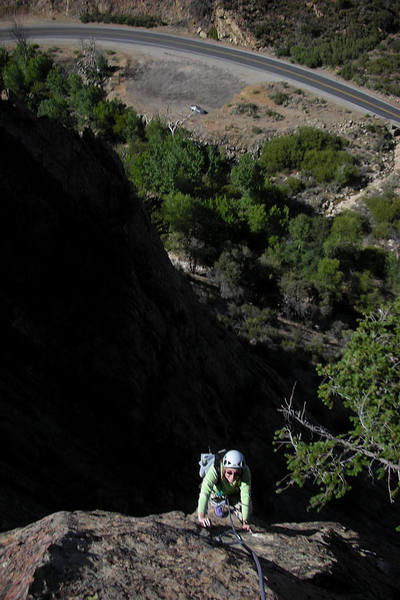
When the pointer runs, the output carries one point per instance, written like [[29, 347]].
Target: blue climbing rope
[[240, 541]]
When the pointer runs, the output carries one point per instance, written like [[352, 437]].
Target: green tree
[[312, 150], [385, 211], [297, 295], [179, 212], [171, 163], [328, 165], [82, 100], [328, 282], [106, 115], [25, 73], [237, 272], [346, 234], [366, 382], [56, 105], [328, 276], [128, 125], [364, 292], [3, 62], [281, 154], [246, 175], [217, 169], [305, 241], [392, 269], [257, 217]]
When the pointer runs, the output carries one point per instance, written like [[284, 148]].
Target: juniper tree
[[366, 382]]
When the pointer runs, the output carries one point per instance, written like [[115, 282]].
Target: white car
[[198, 109]]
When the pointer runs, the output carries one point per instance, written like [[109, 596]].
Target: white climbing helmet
[[233, 459]]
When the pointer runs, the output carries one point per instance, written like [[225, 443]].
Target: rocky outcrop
[[104, 555], [171, 11], [231, 28], [197, 17]]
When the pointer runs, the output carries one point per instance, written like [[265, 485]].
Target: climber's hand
[[204, 521]]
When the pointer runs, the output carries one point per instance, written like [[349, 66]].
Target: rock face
[[194, 16], [113, 377], [230, 27], [173, 11], [101, 555]]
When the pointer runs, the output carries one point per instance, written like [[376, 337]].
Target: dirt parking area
[[244, 107]]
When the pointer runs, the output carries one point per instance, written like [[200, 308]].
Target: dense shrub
[[310, 150], [212, 33], [280, 98], [385, 211], [132, 20]]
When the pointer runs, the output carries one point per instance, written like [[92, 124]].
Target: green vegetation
[[97, 16], [247, 108], [212, 33], [240, 218], [274, 114], [361, 38], [269, 255], [310, 150], [385, 211], [30, 77], [365, 382], [280, 98]]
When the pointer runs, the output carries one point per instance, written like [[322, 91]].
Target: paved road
[[299, 75]]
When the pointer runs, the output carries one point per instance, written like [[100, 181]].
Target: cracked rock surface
[[101, 555]]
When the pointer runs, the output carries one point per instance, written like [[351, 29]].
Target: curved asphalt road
[[286, 71]]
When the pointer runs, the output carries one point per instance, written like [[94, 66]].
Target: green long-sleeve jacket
[[211, 486]]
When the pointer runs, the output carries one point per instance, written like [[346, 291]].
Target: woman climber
[[228, 479]]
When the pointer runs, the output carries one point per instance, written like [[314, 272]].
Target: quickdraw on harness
[[239, 540]]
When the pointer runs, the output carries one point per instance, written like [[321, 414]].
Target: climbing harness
[[240, 541]]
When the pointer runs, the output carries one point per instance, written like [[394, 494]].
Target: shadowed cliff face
[[113, 378], [104, 555]]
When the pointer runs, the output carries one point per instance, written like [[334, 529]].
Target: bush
[[280, 98], [256, 326], [246, 175], [133, 20], [310, 149], [328, 165], [294, 184], [212, 33], [247, 108], [232, 270], [385, 212], [24, 74], [297, 296], [346, 234], [274, 115]]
